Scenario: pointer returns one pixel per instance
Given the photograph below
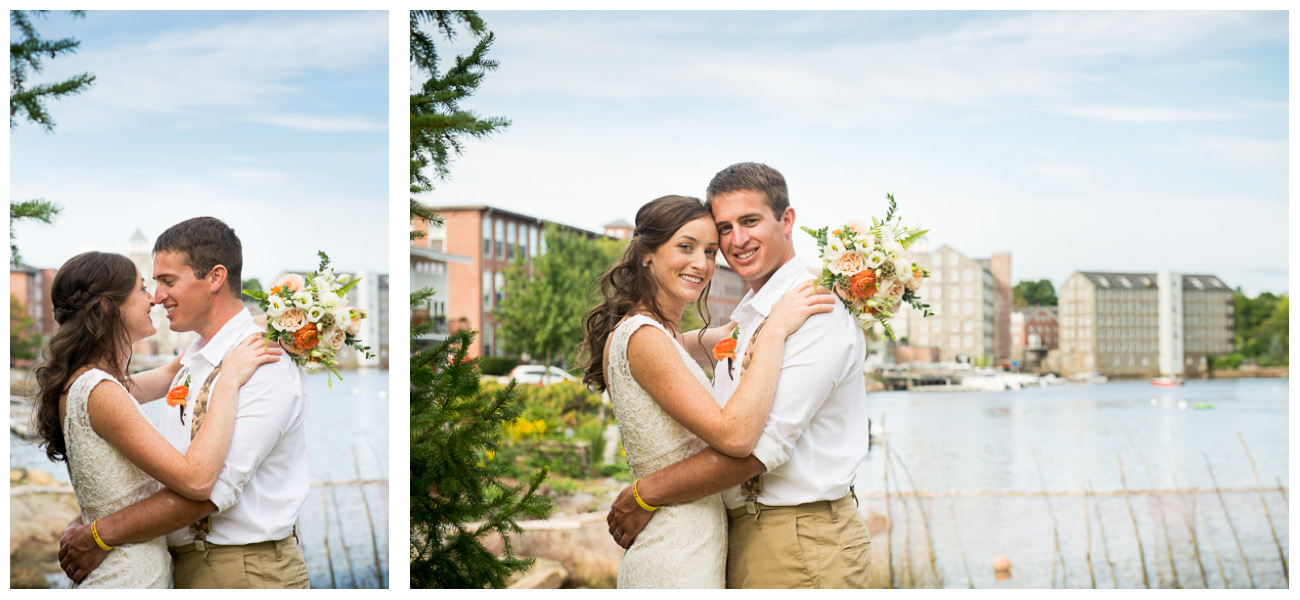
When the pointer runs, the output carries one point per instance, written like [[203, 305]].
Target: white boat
[[1088, 377]]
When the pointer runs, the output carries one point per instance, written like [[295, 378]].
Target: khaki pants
[[264, 565], [814, 545]]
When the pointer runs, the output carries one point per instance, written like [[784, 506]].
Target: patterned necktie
[[203, 527]]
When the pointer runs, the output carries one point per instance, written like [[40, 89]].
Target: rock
[[1001, 563], [16, 475], [39, 477], [545, 575], [581, 545], [877, 524]]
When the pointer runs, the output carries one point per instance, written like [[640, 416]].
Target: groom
[[793, 521], [244, 535]]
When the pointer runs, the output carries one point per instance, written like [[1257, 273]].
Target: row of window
[[503, 239]]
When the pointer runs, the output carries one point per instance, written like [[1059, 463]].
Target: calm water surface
[[996, 452]]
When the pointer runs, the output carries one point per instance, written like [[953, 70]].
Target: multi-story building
[[1143, 324], [1034, 332], [963, 293], [430, 269], [30, 288]]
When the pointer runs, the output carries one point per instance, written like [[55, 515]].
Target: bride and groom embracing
[[210, 496], [745, 481]]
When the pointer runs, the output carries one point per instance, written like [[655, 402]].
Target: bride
[[658, 389], [88, 416]]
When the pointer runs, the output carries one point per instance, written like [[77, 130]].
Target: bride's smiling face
[[684, 264], [135, 311]]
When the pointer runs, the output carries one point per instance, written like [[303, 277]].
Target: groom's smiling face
[[755, 242], [186, 298]]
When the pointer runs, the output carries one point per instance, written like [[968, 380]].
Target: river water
[[347, 443], [1005, 473]]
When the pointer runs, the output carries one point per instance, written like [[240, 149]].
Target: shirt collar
[[213, 350], [785, 277]]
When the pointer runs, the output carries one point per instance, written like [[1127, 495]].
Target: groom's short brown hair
[[754, 177], [206, 242]]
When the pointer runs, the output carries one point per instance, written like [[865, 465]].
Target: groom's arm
[[155, 516], [708, 472]]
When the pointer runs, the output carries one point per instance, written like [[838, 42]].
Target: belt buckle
[[751, 488]]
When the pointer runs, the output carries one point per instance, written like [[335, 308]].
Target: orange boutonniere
[[178, 395], [726, 347]]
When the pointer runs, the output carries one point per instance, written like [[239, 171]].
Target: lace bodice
[[106, 482], [685, 545]]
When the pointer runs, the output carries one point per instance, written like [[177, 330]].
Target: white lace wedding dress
[[106, 482], [685, 545]]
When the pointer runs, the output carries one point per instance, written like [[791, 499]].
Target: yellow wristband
[[94, 532], [637, 495]]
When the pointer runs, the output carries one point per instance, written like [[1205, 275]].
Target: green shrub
[[497, 365]]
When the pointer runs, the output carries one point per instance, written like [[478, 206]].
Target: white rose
[[834, 248], [315, 313], [303, 300], [875, 258], [892, 289], [902, 268], [329, 301], [342, 316]]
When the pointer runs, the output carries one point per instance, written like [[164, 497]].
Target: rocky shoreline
[[39, 510]]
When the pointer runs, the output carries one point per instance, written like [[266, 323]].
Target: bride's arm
[[734, 429], [147, 386], [115, 418], [701, 349]]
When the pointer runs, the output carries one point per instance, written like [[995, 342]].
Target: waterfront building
[[430, 269], [1034, 332], [971, 302], [30, 287], [1143, 324]]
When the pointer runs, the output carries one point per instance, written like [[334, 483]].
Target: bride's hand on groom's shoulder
[[626, 518], [805, 300]]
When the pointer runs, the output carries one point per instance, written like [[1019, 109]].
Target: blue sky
[[1107, 141], [276, 122]]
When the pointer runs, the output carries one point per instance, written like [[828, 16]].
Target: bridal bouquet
[[310, 318], [869, 268]]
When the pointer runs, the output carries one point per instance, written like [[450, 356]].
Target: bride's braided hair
[[87, 294], [628, 285]]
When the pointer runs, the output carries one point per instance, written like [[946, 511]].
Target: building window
[[510, 241], [487, 290], [501, 286], [501, 238], [487, 237]]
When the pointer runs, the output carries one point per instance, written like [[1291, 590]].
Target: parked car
[[536, 375]]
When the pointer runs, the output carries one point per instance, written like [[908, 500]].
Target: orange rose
[[307, 337], [725, 349], [863, 285], [849, 264], [177, 395]]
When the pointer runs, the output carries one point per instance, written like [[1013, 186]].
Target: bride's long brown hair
[[87, 294], [627, 285]]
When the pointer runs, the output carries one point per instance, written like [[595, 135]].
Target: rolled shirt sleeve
[[269, 403], [812, 366]]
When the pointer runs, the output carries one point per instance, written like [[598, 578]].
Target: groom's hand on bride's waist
[[626, 518], [78, 552]]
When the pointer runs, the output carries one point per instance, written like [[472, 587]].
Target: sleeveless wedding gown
[[684, 545], [106, 482]]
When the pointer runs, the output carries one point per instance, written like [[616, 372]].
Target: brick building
[[971, 302], [1034, 333]]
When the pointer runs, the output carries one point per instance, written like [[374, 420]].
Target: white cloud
[[322, 124], [1151, 114]]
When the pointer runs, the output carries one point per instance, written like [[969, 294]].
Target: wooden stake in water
[[1271, 528], [1105, 545], [374, 542], [925, 520], [343, 540], [1228, 517], [1281, 490], [1190, 518], [970, 582], [1056, 530], [1087, 553], [1164, 526], [889, 517], [325, 512], [1141, 553]]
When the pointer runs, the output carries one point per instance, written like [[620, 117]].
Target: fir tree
[[39, 210], [25, 55], [458, 494]]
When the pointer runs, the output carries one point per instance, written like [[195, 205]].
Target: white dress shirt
[[816, 434], [264, 483]]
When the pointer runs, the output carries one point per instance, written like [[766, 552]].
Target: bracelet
[[94, 532], [637, 495]]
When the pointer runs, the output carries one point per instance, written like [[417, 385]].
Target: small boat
[[1167, 381]]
